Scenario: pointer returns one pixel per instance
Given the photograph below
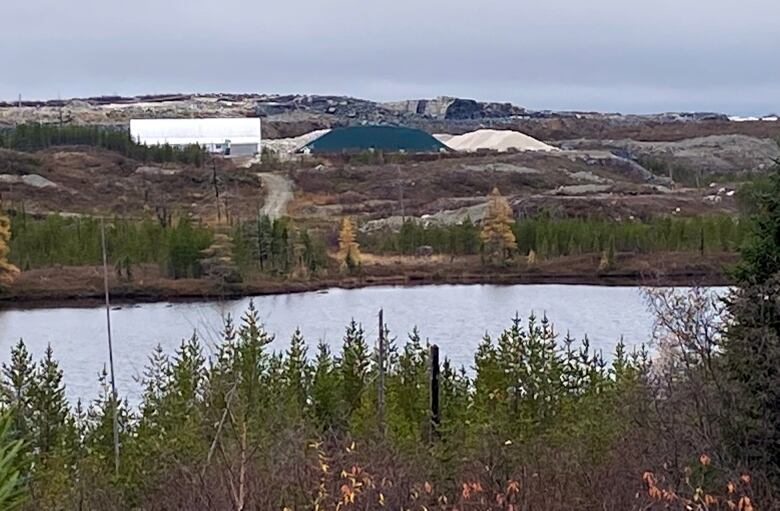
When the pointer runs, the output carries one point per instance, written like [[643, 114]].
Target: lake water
[[454, 317]]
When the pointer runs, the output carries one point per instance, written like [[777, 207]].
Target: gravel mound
[[287, 146], [495, 140]]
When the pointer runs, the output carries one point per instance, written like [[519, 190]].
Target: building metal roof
[[380, 138], [243, 130]]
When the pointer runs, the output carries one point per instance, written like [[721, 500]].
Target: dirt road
[[278, 192]]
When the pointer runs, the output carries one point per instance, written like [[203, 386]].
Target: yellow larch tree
[[497, 237], [349, 250], [7, 270], [531, 259]]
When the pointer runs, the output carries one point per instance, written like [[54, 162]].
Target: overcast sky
[[609, 55]]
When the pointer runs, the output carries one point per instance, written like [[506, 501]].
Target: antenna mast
[[110, 347]]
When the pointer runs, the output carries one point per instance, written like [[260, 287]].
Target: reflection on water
[[455, 317]]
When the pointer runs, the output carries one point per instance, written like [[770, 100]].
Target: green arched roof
[[380, 138]]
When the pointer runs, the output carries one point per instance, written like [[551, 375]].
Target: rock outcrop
[[713, 154], [449, 108]]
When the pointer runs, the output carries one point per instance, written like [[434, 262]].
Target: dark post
[[380, 383], [216, 187], [434, 371]]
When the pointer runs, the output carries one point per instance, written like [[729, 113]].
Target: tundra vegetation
[[539, 421]]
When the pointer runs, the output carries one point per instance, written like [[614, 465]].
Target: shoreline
[[89, 295]]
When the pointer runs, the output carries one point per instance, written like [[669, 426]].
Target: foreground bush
[[541, 422]]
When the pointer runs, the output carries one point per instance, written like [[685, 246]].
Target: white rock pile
[[494, 140]]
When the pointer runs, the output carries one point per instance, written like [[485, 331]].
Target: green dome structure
[[356, 139]]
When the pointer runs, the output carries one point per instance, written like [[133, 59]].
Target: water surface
[[455, 317]]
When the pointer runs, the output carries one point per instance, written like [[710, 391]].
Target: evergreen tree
[[761, 254], [17, 388], [297, 373], [353, 367], [250, 368], [470, 236], [407, 392], [264, 241], [751, 348], [99, 438], [53, 438], [50, 420], [327, 406]]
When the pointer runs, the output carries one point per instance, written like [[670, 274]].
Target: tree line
[[36, 136], [76, 241], [553, 237], [179, 247], [276, 247]]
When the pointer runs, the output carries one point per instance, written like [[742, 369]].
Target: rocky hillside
[[293, 115], [712, 154]]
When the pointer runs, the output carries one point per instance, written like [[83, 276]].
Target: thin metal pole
[[380, 387], [110, 347]]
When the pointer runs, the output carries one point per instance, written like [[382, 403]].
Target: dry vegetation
[[532, 181], [93, 181]]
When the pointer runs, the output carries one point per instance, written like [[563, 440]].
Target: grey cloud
[[599, 55]]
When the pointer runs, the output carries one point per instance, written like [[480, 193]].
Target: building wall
[[244, 133], [244, 149], [235, 149]]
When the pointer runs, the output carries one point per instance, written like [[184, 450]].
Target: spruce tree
[[297, 373], [250, 369], [353, 367], [407, 392], [53, 440], [327, 406], [17, 387], [760, 256], [50, 420], [264, 239], [751, 348]]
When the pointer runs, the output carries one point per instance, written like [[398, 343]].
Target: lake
[[455, 317]]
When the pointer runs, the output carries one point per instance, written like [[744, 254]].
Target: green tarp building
[[355, 139]]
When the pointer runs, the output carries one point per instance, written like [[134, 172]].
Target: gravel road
[[278, 192]]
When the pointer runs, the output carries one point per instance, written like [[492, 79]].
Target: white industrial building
[[229, 136]]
